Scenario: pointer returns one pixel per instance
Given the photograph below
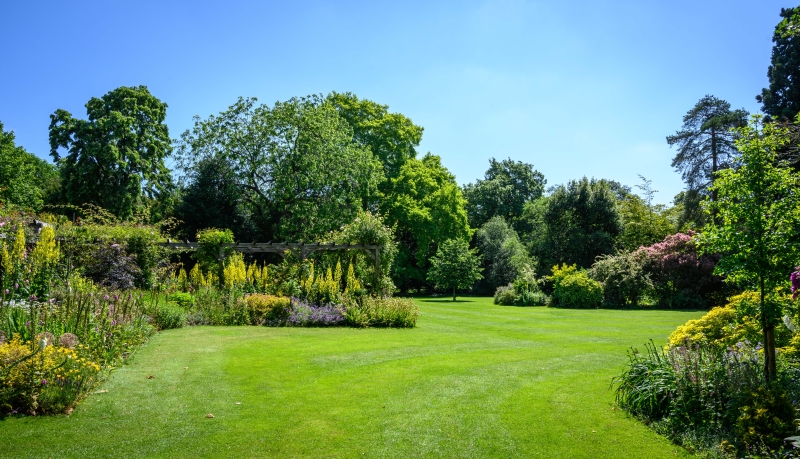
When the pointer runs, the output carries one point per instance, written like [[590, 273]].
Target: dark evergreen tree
[[212, 199], [781, 100], [705, 145]]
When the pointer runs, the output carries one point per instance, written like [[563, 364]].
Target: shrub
[[268, 309], [511, 295], [574, 289], [382, 312], [168, 316], [766, 417], [42, 380], [623, 278], [305, 314], [109, 266], [210, 241], [215, 307], [736, 322], [681, 278], [505, 295], [182, 299], [531, 298]]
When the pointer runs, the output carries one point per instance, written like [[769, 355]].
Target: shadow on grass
[[445, 300]]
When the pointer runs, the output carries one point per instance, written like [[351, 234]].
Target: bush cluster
[[572, 288], [708, 399]]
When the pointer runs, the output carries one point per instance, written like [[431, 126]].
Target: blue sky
[[574, 87]]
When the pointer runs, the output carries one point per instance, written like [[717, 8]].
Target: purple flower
[[795, 278], [32, 298], [16, 286], [105, 297], [44, 382]]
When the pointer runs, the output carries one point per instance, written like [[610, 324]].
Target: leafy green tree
[[296, 164], [644, 222], [706, 144], [781, 100], [115, 159], [392, 137], [581, 221], [25, 180], [425, 204], [759, 224], [504, 256], [505, 189], [212, 199], [455, 266]]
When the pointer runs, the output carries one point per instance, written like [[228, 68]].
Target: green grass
[[472, 380]]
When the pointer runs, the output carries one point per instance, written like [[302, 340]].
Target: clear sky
[[574, 87]]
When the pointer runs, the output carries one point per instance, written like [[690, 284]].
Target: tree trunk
[[770, 369], [714, 171], [454, 293]]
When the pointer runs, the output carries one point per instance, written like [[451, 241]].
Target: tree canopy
[[295, 162], [581, 221], [25, 180], [425, 204], [504, 256], [391, 137], [705, 142], [455, 266], [506, 187], [115, 158], [781, 100]]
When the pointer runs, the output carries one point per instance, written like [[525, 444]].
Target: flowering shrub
[[305, 314], [268, 309], [42, 378], [680, 277], [702, 397]]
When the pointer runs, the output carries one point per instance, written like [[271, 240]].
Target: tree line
[[302, 168]]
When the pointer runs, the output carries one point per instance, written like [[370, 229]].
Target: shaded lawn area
[[472, 380]]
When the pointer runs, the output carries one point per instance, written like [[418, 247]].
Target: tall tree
[[392, 137], [295, 163], [706, 143], [25, 180], [581, 222], [781, 100], [504, 256], [426, 205], [212, 199], [759, 224], [506, 187], [115, 159]]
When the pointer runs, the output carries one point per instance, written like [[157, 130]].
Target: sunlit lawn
[[472, 380]]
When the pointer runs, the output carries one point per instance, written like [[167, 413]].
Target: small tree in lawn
[[758, 223], [455, 266]]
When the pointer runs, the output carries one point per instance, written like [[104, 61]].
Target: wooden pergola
[[301, 250]]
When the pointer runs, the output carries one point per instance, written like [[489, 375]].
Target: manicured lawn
[[472, 380]]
